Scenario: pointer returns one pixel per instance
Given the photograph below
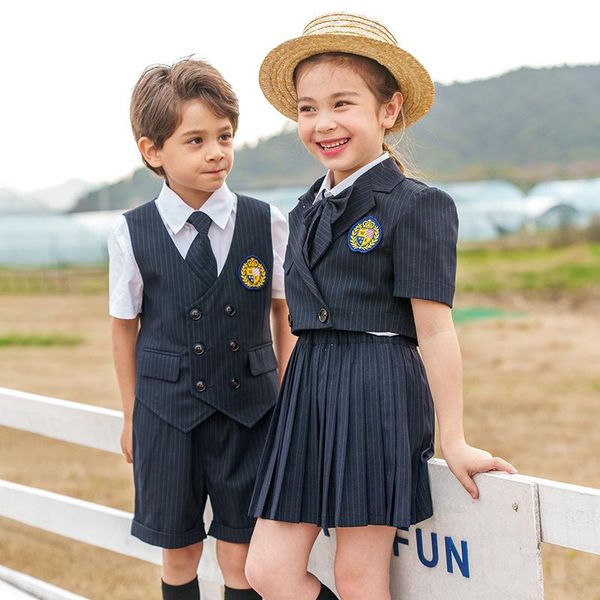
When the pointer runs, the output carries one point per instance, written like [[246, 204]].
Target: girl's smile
[[332, 147], [340, 121]]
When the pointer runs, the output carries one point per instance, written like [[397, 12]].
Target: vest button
[[234, 346], [195, 314], [199, 349], [234, 383], [289, 319], [323, 315], [230, 310], [200, 386]]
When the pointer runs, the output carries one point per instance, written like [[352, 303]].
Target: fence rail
[[477, 534]]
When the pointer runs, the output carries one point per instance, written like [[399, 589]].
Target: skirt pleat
[[351, 435]]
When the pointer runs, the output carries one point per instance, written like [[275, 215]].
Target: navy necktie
[[200, 255], [318, 219]]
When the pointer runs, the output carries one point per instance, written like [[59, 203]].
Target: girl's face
[[340, 121]]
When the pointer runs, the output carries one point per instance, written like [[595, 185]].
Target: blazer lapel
[[298, 235], [381, 178], [359, 204]]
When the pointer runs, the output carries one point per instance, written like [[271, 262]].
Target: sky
[[68, 67]]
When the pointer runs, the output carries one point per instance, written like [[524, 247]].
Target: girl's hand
[[465, 461], [127, 440]]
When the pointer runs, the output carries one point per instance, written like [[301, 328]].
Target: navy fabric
[[415, 257], [187, 591], [200, 255], [237, 594], [351, 435], [326, 594], [353, 428], [174, 472], [319, 218], [205, 347]]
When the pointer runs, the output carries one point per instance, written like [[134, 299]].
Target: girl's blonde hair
[[377, 78]]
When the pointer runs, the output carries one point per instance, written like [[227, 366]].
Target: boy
[[195, 276]]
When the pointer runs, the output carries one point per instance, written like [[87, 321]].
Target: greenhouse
[[48, 240], [552, 204], [487, 209], [30, 235]]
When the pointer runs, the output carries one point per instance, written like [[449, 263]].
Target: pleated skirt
[[351, 434]]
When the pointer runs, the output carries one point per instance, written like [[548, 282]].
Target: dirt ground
[[532, 395]]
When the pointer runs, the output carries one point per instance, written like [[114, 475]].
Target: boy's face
[[198, 156]]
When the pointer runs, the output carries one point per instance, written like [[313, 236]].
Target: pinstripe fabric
[[174, 473], [415, 258], [200, 255], [319, 219], [350, 436], [196, 344], [354, 425]]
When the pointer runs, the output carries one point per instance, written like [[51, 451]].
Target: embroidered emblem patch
[[364, 235], [253, 274]]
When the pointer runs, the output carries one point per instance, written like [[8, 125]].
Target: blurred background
[[513, 136]]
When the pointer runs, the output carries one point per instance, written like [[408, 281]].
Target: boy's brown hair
[[155, 110]]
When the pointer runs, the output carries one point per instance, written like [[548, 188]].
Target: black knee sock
[[326, 594], [248, 594], [187, 591]]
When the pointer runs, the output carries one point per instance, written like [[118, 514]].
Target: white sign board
[[469, 550]]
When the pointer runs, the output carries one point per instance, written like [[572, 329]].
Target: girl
[[370, 270]]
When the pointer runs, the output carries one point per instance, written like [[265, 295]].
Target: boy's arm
[[283, 339], [441, 356], [124, 336], [125, 300]]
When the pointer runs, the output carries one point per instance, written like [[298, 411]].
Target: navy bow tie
[[318, 219]]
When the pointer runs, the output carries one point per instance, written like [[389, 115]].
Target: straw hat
[[345, 32]]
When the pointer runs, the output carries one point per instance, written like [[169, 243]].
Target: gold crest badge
[[253, 273], [364, 235]]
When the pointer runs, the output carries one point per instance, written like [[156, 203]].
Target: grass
[[34, 339], [66, 280], [463, 315], [532, 264], [545, 268]]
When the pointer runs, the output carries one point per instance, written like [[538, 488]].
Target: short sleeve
[[424, 250], [279, 237], [125, 280]]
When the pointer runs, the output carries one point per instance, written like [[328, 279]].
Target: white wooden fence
[[469, 550]]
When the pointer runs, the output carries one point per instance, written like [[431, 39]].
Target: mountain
[[545, 121], [125, 193], [14, 203], [61, 197], [525, 126]]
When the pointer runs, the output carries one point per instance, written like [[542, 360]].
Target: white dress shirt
[[346, 183], [340, 187], [125, 280]]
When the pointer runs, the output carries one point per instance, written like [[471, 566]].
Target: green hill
[[526, 125]]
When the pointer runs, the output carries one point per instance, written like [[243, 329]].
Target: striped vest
[[202, 350]]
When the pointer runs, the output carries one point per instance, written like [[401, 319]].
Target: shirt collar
[[340, 187], [176, 212]]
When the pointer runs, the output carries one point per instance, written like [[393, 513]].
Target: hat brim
[[277, 72]]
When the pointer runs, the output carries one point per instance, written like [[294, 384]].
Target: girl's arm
[[443, 364], [124, 336], [283, 339]]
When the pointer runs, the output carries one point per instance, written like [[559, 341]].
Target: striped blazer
[[394, 240]]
